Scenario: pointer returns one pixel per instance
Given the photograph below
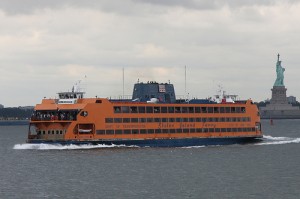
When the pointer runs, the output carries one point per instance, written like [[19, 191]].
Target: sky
[[47, 46]]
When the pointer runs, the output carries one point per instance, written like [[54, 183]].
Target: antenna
[[123, 82], [185, 81]]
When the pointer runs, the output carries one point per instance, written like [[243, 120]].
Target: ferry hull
[[157, 142]]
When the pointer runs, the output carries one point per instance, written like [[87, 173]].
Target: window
[[164, 109], [149, 119], [233, 110], [191, 109], [184, 109], [164, 120], [243, 109], [117, 109], [125, 109], [211, 130], [118, 132], [186, 130], [109, 132], [217, 130], [177, 109], [156, 109], [178, 130], [222, 110], [216, 109], [165, 130], [156, 119], [143, 131], [238, 109], [133, 109], [197, 110], [191, 119], [127, 131], [109, 120], [126, 120], [142, 109], [171, 119], [192, 130], [117, 120], [227, 109], [143, 120], [172, 131], [100, 132], [157, 130], [150, 131], [198, 119], [149, 109], [178, 119], [199, 130], [210, 109], [171, 109], [185, 119], [203, 109], [135, 131], [134, 120]]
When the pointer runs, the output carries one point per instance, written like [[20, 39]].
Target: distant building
[[291, 100], [1, 106]]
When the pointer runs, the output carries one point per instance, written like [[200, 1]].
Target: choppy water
[[269, 169]]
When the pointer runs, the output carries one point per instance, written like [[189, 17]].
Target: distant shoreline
[[13, 122]]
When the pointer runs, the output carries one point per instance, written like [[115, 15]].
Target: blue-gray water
[[270, 169]]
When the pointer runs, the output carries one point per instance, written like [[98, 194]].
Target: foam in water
[[270, 140], [63, 147]]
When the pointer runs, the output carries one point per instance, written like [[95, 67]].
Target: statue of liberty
[[279, 71]]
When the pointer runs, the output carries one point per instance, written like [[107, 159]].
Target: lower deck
[[182, 142]]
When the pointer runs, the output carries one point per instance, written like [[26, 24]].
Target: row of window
[[198, 119], [191, 130], [51, 132], [177, 109]]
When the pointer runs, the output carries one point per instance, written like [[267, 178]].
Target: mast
[[185, 82], [123, 83]]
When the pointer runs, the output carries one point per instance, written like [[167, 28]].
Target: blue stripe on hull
[[159, 142]]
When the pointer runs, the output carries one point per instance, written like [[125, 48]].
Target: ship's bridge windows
[[238, 109], [222, 109], [191, 109], [184, 110], [197, 110], [203, 109]]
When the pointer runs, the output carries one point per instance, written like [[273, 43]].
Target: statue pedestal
[[279, 95]]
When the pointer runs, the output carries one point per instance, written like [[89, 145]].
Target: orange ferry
[[153, 117]]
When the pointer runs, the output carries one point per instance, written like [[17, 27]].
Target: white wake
[[269, 140], [63, 147]]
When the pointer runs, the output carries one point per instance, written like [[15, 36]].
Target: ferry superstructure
[[153, 117]]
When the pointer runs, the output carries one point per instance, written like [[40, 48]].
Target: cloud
[[56, 43]]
